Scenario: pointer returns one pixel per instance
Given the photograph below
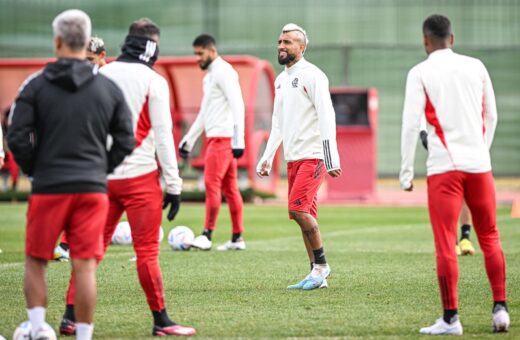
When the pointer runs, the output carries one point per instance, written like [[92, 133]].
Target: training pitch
[[383, 282]]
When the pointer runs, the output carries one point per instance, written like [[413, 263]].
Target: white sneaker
[[441, 327], [61, 254], [201, 242], [500, 321], [238, 245]]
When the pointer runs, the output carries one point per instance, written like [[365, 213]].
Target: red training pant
[[445, 195], [141, 198], [221, 176]]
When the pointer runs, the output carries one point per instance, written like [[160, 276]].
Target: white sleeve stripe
[[326, 154]]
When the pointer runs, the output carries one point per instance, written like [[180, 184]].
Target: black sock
[[207, 233], [498, 305], [65, 246], [464, 231], [161, 319], [319, 256], [236, 236], [69, 313], [312, 265], [450, 315]]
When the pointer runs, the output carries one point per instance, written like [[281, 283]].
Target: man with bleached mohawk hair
[[304, 120], [96, 52]]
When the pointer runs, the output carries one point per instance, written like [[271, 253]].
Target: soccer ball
[[23, 332], [180, 238], [122, 234]]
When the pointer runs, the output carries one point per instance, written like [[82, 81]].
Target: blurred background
[[365, 43]]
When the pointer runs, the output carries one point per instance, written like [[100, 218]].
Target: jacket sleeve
[[319, 94], [274, 141], [230, 85], [194, 132], [161, 120], [123, 140], [490, 109], [21, 133], [413, 111]]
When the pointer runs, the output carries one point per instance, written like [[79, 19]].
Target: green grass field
[[383, 282]]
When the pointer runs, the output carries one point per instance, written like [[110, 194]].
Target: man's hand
[[424, 138], [183, 152], [410, 188], [1, 162], [237, 153], [335, 173], [264, 170], [175, 202]]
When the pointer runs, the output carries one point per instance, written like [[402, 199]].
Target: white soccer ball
[[122, 235], [180, 238], [23, 332]]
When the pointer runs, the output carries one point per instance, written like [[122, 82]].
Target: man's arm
[[490, 109], [123, 140], [161, 121], [320, 96], [275, 139], [230, 85], [414, 103], [188, 141], [21, 132]]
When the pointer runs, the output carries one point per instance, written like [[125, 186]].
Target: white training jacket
[[148, 97], [454, 94], [303, 117], [221, 111]]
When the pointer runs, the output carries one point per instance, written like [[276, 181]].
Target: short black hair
[[204, 40], [438, 26], [144, 27]]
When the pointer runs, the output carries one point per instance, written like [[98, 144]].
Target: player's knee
[[297, 215]]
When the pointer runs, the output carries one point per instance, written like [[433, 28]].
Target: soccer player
[[304, 120], [134, 186], [455, 94], [221, 117], [96, 52], [60, 123], [464, 246], [96, 56]]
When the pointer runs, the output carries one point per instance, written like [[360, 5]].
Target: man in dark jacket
[[58, 135]]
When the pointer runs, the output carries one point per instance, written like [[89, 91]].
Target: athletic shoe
[[61, 254], [500, 320], [201, 242], [238, 245], [317, 276], [457, 250], [67, 327], [466, 248], [300, 284], [441, 327], [173, 330]]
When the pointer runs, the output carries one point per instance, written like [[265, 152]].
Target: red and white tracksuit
[[221, 117], [455, 94], [134, 185]]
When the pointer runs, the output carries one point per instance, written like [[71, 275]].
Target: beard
[[205, 64], [287, 59]]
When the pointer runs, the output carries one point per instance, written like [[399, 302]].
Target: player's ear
[[451, 39]]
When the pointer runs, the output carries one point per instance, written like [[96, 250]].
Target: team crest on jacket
[[295, 82]]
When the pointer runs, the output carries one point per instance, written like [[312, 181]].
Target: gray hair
[[73, 27]]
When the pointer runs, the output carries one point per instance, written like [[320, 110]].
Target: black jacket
[[60, 123]]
